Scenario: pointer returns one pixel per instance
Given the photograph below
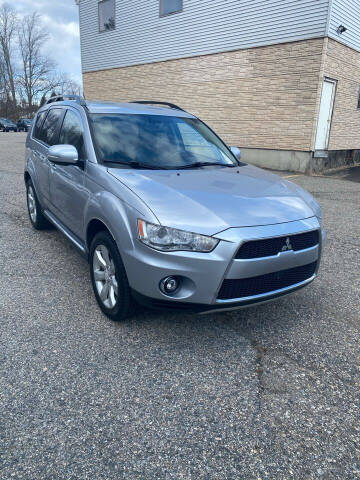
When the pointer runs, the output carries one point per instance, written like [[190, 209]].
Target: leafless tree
[[36, 77], [67, 86], [8, 29]]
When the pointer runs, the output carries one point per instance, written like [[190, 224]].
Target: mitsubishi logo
[[287, 245]]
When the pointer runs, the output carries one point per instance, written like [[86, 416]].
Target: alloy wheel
[[31, 204], [104, 276]]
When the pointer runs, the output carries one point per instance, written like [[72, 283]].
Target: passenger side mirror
[[63, 154], [236, 152]]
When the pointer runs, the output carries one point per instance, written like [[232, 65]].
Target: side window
[[38, 124], [106, 15], [50, 126], [72, 133]]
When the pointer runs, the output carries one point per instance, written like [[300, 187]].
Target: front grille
[[272, 246], [247, 287]]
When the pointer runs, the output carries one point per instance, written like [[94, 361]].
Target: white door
[[325, 114]]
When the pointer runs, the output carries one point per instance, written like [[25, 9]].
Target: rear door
[[45, 135], [68, 193]]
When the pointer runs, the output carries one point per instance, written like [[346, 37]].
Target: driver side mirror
[[236, 152], [63, 154]]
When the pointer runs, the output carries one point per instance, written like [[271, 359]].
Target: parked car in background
[[7, 125], [24, 124], [165, 211]]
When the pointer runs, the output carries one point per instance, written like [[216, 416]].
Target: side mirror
[[236, 152], [63, 154]]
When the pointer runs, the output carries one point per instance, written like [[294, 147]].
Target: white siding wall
[[347, 13], [204, 26]]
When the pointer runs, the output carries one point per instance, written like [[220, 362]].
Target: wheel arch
[[93, 227], [27, 176]]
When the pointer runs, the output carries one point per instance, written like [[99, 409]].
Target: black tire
[[39, 221], [124, 302]]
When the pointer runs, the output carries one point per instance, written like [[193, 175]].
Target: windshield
[[158, 141]]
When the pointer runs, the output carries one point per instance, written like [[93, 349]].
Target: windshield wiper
[[132, 164], [204, 164]]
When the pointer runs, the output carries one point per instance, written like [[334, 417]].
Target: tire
[[108, 278], [37, 218]]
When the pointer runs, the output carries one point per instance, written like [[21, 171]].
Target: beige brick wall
[[262, 97], [343, 64]]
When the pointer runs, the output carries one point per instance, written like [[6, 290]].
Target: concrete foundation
[[303, 162]]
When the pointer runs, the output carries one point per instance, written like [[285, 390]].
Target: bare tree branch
[[36, 76], [8, 28]]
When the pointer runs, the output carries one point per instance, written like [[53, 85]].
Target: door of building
[[325, 114]]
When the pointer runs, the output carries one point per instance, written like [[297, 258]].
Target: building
[[278, 78]]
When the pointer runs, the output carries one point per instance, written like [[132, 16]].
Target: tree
[[36, 77], [67, 86], [8, 29]]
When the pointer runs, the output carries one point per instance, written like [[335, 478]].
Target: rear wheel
[[37, 219], [108, 277]]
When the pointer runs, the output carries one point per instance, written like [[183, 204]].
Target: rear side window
[[38, 125], [72, 133], [50, 126]]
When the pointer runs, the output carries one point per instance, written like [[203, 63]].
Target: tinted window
[[72, 133], [106, 15], [157, 141], [50, 126], [170, 6], [39, 120]]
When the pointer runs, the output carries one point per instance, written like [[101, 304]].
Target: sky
[[60, 18]]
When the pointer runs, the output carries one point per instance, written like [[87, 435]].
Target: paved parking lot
[[270, 392]]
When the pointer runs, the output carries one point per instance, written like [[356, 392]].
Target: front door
[[68, 194], [325, 115]]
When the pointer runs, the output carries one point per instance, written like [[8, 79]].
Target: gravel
[[270, 392]]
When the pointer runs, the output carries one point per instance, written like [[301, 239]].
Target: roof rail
[[76, 98], [155, 102]]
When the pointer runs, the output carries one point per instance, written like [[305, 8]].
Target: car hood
[[211, 199]]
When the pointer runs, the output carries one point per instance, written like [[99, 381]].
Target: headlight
[[169, 239]]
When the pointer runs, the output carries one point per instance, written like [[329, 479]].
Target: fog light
[[169, 285]]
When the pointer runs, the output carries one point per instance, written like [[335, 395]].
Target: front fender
[[119, 217]]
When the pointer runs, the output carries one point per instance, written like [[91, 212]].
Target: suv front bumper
[[205, 273]]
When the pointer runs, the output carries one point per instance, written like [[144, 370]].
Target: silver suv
[[166, 213]]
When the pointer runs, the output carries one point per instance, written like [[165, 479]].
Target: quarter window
[[170, 6], [72, 133], [106, 15]]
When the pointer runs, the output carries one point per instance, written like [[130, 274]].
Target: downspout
[[321, 76]]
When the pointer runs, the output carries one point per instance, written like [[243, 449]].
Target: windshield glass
[[158, 141]]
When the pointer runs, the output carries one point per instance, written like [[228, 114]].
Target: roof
[[135, 108], [128, 108]]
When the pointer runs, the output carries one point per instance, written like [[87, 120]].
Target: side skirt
[[65, 231]]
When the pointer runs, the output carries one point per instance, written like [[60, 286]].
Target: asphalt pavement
[[270, 392]]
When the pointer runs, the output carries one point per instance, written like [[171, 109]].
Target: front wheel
[[108, 277]]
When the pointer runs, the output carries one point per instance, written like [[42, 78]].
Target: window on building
[[170, 6], [106, 15], [358, 105]]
